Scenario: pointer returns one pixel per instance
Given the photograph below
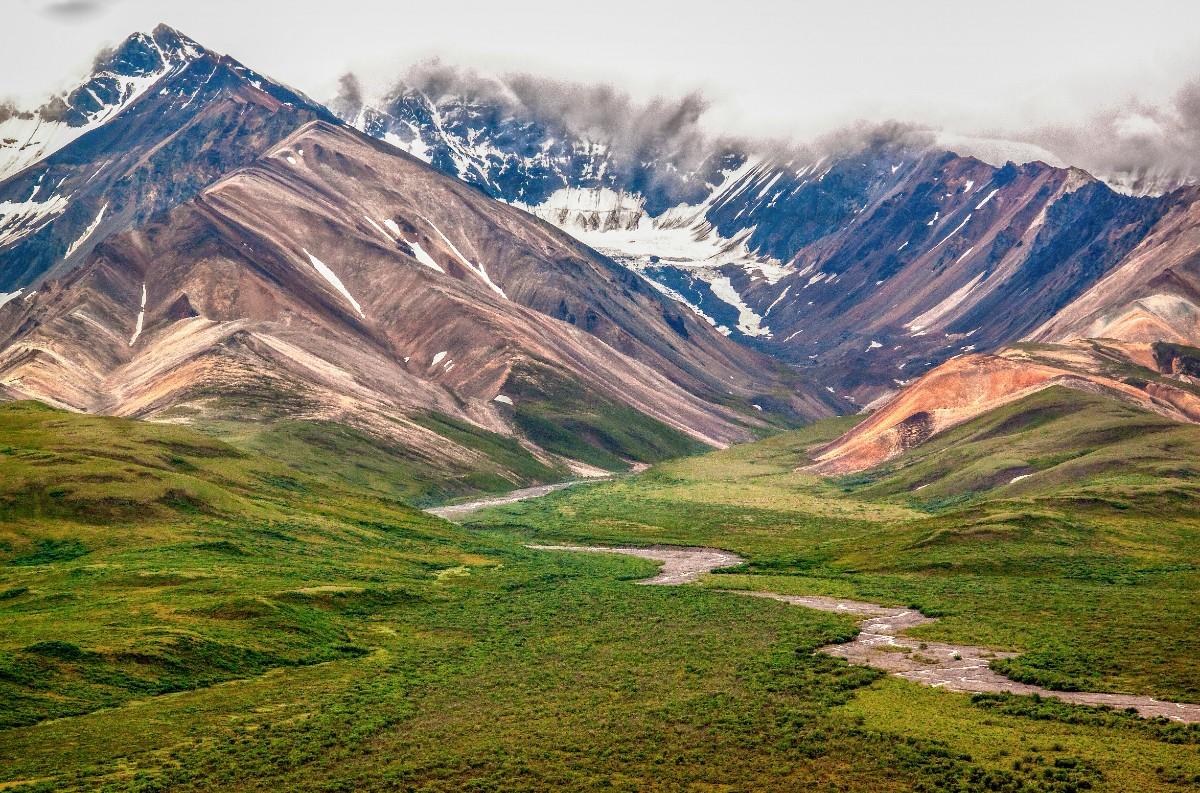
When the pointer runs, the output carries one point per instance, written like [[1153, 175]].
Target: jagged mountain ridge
[[118, 78], [867, 266], [197, 309], [195, 116], [513, 153]]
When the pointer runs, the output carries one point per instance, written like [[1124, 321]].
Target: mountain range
[[222, 249], [341, 436], [486, 292], [897, 274], [867, 266]]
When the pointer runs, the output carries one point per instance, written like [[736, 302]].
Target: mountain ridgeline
[[177, 118], [865, 266], [221, 251], [488, 283]]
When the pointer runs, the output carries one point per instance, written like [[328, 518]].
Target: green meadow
[[183, 613]]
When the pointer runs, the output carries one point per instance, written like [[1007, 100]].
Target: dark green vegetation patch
[[586, 426], [287, 627]]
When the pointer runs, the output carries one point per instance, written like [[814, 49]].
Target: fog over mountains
[[729, 281], [1137, 146], [865, 258]]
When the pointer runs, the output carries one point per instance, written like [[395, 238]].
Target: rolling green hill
[[186, 614], [138, 559], [1058, 444]]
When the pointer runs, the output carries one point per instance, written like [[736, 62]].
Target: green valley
[[185, 614]]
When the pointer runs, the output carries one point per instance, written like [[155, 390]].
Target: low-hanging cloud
[[1138, 145], [872, 134], [349, 100], [663, 129], [634, 131], [659, 127], [74, 9]]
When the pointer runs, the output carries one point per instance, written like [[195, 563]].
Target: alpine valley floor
[[231, 622]]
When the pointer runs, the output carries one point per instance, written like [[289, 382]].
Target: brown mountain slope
[[933, 262], [1154, 295], [336, 278], [969, 386], [1131, 336]]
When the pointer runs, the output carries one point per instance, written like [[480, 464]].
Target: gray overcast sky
[[770, 67]]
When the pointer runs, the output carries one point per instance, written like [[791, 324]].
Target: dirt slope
[[337, 278]]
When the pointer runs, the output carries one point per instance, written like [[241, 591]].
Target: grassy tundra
[[184, 614]]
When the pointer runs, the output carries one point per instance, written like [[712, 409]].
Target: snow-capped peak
[[120, 76]]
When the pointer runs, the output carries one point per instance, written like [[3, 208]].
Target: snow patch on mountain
[[922, 323], [477, 269], [603, 209], [331, 277], [419, 252], [378, 228], [986, 199], [423, 257], [19, 219], [957, 229], [141, 318], [678, 298], [74, 246], [782, 296], [749, 322], [617, 224]]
